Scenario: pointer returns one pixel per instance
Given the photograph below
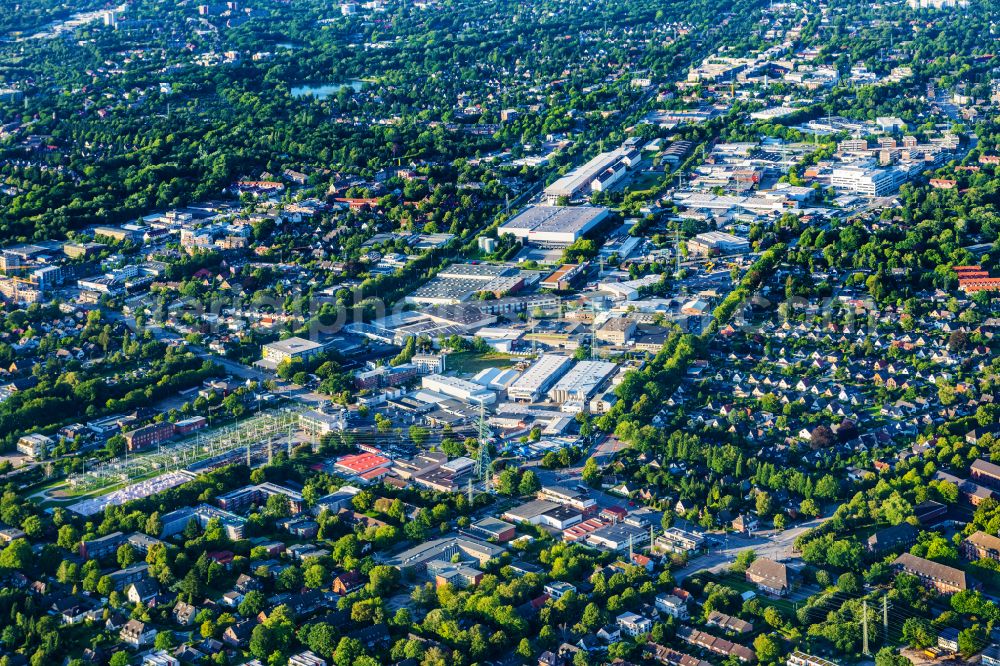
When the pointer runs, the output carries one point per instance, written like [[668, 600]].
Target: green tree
[[68, 537], [381, 580], [767, 649], [744, 559], [126, 556], [529, 483], [972, 640], [348, 651], [253, 603], [889, 657], [918, 632], [164, 640], [314, 576], [119, 659], [591, 473]]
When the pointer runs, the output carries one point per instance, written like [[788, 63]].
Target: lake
[[322, 91]]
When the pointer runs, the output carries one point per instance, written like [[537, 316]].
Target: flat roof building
[[35, 446], [717, 242], [290, 348], [618, 537], [562, 278], [868, 181], [542, 374], [445, 549], [458, 388], [568, 497], [579, 179], [459, 282], [582, 381], [554, 226]]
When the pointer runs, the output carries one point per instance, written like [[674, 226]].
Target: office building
[[867, 181], [34, 446], [717, 242], [241, 499], [633, 624], [617, 331], [618, 537], [677, 540], [981, 546], [275, 353], [569, 497], [458, 388], [148, 436]]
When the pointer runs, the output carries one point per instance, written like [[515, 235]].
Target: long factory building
[[554, 226], [537, 379], [582, 381]]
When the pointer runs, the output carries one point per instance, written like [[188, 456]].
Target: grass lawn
[[645, 181], [741, 585], [469, 363], [988, 577]]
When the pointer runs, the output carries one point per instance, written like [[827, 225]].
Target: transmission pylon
[[677, 252], [483, 456], [885, 619], [864, 626]]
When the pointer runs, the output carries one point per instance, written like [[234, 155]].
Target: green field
[[469, 363], [741, 585], [644, 181]]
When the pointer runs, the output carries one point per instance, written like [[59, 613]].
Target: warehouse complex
[[458, 388], [582, 381], [596, 175], [717, 242], [460, 282], [554, 226], [539, 377]]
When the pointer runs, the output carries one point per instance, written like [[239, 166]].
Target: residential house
[[348, 582], [728, 623], [307, 658], [633, 624], [892, 538], [715, 644], [745, 523], [143, 592], [769, 576], [558, 589], [672, 605], [980, 546], [137, 634], [671, 657], [934, 575], [184, 613], [610, 633], [238, 635]]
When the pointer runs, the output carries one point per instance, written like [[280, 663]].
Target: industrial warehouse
[[554, 226]]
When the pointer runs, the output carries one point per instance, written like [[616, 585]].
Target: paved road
[[773, 545]]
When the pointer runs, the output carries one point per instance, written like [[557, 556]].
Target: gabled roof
[[932, 570], [773, 574]]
